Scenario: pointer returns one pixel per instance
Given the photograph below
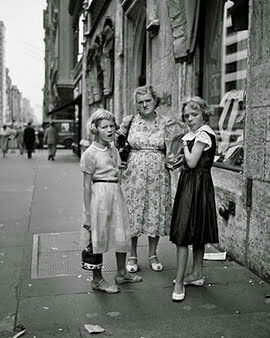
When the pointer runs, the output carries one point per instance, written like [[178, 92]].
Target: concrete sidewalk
[[43, 288]]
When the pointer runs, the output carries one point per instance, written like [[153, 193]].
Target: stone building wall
[[246, 235], [162, 68], [101, 12], [257, 160]]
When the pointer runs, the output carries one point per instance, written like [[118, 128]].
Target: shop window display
[[224, 81]]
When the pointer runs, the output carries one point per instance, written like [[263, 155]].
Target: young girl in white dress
[[105, 224]]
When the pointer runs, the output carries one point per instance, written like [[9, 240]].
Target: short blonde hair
[[197, 103], [143, 90], [93, 122]]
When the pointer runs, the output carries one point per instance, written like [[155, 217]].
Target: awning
[[71, 103]]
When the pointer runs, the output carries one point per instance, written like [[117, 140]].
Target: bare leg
[[97, 275], [122, 275], [153, 243], [132, 264], [121, 263], [197, 266], [181, 259], [153, 259], [134, 242]]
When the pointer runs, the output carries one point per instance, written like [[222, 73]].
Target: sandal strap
[[154, 256], [98, 283], [131, 257]]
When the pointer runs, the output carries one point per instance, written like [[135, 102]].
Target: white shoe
[[155, 266], [134, 267], [178, 297]]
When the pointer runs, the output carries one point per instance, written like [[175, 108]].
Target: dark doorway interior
[[142, 77]]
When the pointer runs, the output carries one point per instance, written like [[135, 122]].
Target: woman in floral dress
[[146, 179]]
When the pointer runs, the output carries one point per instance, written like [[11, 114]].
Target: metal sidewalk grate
[[58, 254]]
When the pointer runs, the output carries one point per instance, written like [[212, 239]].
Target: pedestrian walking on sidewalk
[[51, 138], [29, 139], [19, 138], [105, 223], [4, 138], [40, 136], [12, 144], [194, 218]]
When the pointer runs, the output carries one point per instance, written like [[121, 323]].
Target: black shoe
[[52, 158], [49, 157]]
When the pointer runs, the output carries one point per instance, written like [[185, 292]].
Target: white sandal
[[155, 266], [134, 267]]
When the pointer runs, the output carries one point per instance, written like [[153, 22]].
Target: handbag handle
[[129, 125]]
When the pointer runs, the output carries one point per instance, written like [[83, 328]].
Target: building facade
[[27, 112], [8, 96], [16, 101], [2, 74], [58, 88]]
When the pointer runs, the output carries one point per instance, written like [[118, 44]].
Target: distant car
[[65, 130]]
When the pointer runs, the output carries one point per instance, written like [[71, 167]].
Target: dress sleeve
[[87, 163], [125, 125], [174, 131], [204, 138]]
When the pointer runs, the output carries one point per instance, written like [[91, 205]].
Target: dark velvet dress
[[194, 218]]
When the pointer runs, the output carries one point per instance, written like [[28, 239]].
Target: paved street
[[43, 288]]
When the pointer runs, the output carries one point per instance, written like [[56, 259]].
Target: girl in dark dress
[[194, 213]]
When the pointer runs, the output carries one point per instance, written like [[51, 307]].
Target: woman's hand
[[87, 227], [123, 165]]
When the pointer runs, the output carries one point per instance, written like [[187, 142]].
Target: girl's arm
[[86, 198], [193, 157]]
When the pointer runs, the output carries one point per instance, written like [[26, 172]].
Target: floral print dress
[[146, 180]]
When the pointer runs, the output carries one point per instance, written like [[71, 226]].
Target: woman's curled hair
[[143, 90]]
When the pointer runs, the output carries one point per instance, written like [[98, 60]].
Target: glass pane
[[81, 38], [64, 127], [225, 70]]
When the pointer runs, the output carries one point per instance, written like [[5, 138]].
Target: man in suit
[[51, 138], [29, 139]]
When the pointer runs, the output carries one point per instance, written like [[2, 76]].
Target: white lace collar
[[191, 134]]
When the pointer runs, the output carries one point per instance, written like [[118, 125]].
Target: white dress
[[108, 217]]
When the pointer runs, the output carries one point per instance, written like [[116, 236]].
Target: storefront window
[[224, 81], [64, 127]]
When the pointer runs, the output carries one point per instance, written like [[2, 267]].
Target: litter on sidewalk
[[21, 330], [93, 328], [19, 334], [215, 256]]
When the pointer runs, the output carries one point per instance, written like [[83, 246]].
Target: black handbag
[[122, 144]]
